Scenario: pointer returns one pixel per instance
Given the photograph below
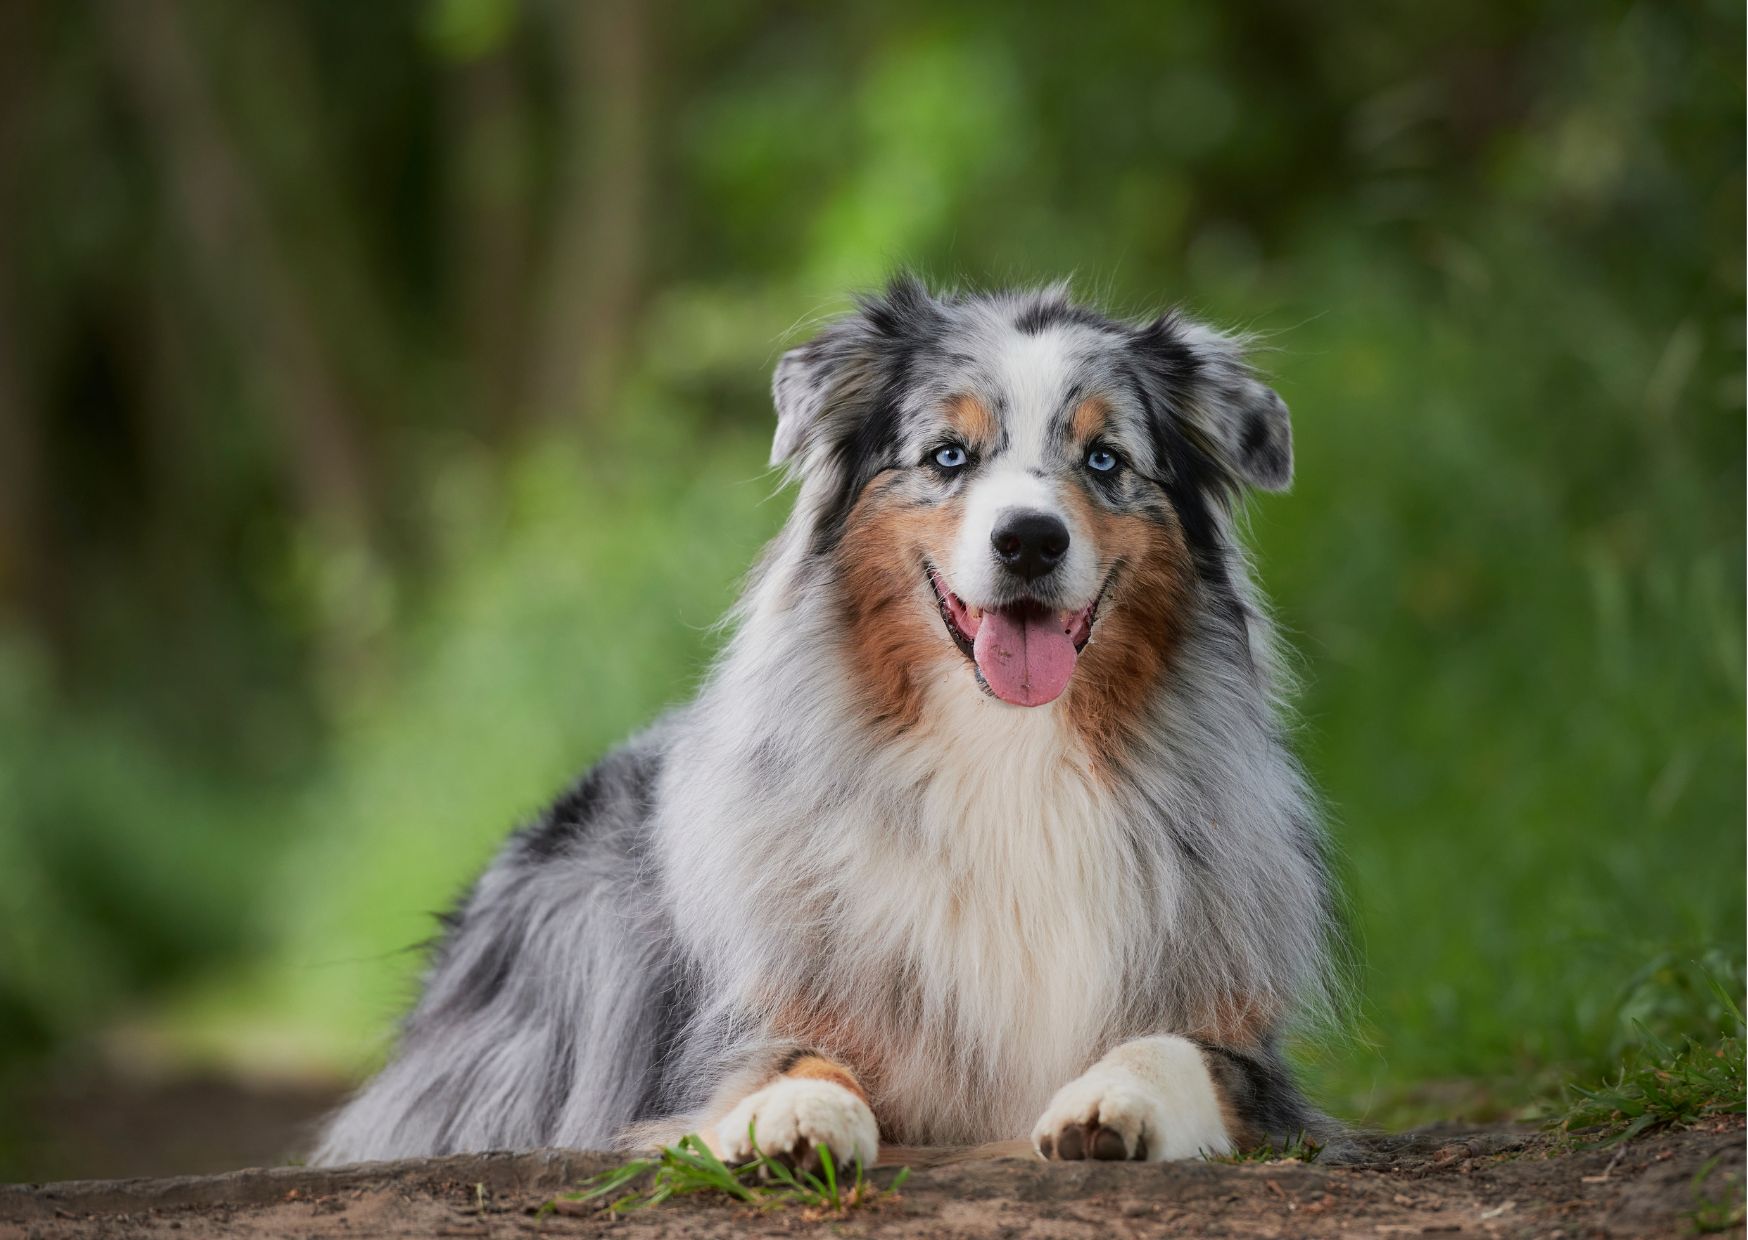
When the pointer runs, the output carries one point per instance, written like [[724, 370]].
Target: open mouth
[[1024, 651]]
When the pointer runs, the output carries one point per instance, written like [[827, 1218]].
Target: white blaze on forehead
[[1032, 373]]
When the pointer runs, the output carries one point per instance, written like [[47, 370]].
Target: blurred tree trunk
[[162, 363], [268, 85], [595, 260], [21, 465], [490, 231], [24, 528], [242, 269]]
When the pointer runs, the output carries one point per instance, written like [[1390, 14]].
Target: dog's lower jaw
[[1150, 1100]]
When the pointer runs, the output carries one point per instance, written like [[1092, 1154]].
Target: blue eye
[[1101, 459], [950, 457]]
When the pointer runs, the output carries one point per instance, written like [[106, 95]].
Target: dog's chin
[[1024, 652]]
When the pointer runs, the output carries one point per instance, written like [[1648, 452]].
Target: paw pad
[[1092, 1140]]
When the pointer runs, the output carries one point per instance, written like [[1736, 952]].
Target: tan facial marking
[[1089, 419], [972, 421], [892, 635], [1138, 626]]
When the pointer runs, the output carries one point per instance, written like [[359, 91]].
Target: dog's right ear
[[808, 379], [825, 388]]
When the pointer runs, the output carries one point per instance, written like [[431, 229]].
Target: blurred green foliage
[[384, 397]]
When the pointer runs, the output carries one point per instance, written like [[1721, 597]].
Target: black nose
[[1030, 544]]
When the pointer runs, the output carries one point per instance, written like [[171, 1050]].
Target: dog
[[983, 827]]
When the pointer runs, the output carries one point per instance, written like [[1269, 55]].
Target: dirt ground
[[84, 1125], [1445, 1181]]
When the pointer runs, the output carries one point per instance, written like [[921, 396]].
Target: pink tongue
[[1024, 656]]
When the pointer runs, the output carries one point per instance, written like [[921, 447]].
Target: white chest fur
[[1013, 899], [979, 863]]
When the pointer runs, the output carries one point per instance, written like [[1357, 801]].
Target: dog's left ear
[[1240, 421]]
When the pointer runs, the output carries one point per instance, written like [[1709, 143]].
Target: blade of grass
[[693, 1153], [831, 1176]]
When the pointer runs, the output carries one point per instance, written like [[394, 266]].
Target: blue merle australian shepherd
[[983, 827]]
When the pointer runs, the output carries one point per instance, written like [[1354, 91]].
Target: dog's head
[[1017, 489]]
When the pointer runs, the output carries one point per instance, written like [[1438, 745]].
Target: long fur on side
[[968, 902]]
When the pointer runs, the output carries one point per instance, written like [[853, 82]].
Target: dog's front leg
[[801, 1103], [1149, 1100]]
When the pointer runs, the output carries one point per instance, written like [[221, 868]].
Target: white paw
[[1150, 1100], [791, 1117]]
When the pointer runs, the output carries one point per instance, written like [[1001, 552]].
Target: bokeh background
[[383, 420]]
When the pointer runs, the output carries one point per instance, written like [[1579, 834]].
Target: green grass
[[1679, 1054], [690, 1167], [1300, 1149], [1673, 1087], [1663, 1084]]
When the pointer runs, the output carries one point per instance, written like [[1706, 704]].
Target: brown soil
[[86, 1125], [1448, 1181]]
